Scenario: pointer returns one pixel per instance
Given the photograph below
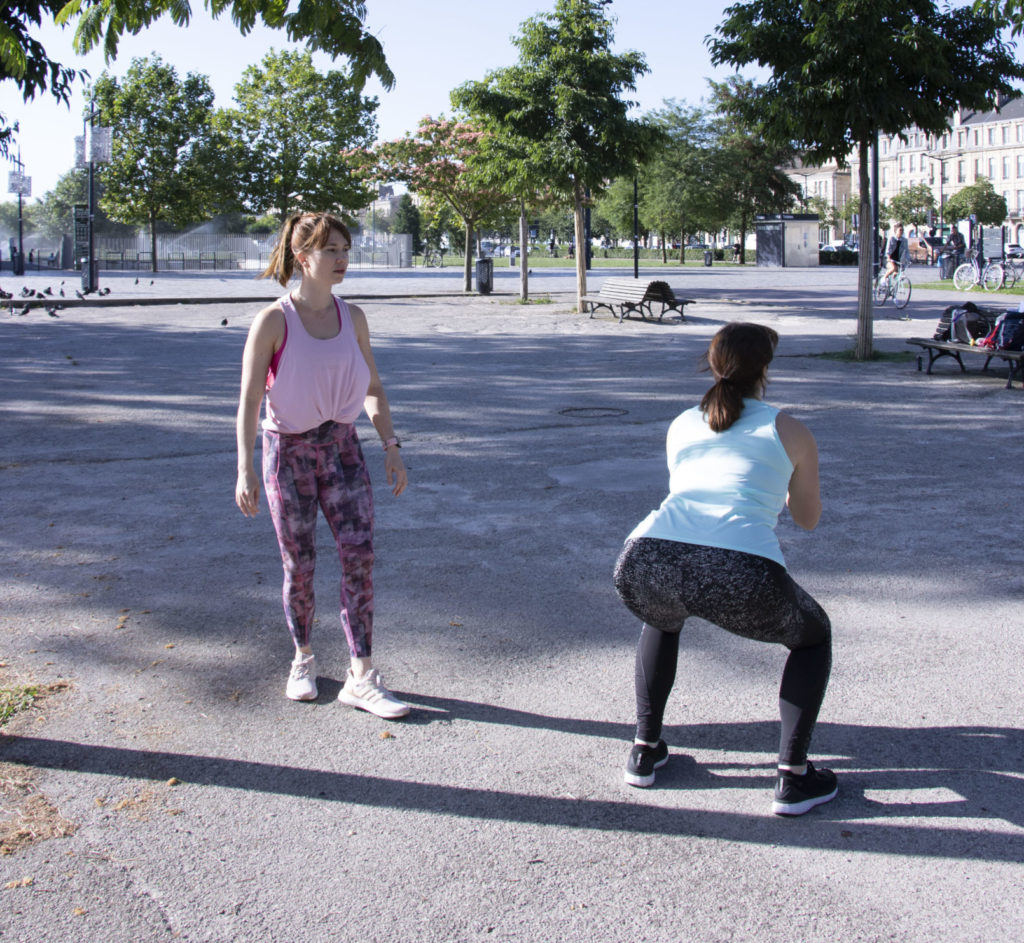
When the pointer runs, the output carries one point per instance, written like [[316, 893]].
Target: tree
[[979, 200], [163, 146], [680, 194], [751, 179], [289, 134], [23, 59], [438, 162], [407, 220], [332, 26], [845, 71], [562, 103], [914, 205]]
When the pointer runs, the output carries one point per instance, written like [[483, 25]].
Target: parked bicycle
[[1003, 273], [896, 286], [433, 257], [990, 275]]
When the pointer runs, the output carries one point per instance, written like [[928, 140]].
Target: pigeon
[[80, 295], [104, 291], [62, 292], [26, 291], [136, 281], [49, 290], [5, 294], [40, 295], [24, 311], [52, 312], [224, 322], [151, 281]]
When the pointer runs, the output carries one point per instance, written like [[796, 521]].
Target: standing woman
[[710, 551], [309, 354]]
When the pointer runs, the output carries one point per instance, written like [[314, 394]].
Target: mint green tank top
[[726, 489]]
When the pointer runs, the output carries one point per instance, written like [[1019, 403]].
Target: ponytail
[[301, 232], [738, 356]]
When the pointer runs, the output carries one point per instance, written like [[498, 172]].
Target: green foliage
[[163, 145], [287, 141], [980, 200], [913, 205], [845, 71], [333, 26], [24, 61], [407, 220], [16, 699], [561, 107]]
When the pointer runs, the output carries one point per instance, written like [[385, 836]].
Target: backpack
[[963, 324], [1007, 333]]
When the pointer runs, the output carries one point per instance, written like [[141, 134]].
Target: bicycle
[[1002, 273], [895, 286], [990, 275], [433, 258]]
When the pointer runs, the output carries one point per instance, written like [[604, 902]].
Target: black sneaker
[[795, 795], [643, 761]]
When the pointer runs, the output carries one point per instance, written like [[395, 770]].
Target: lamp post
[[942, 175], [803, 190], [96, 143], [22, 185]]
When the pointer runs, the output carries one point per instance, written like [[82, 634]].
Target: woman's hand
[[394, 467], [247, 492]]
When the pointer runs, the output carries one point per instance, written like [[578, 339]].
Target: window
[[977, 168], [1006, 134], [885, 176], [1020, 201], [1006, 168], [902, 167], [991, 169], [1020, 165], [991, 135], [1020, 134], [911, 163], [961, 171], [977, 137]]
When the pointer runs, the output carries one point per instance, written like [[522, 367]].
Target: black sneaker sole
[[632, 779]]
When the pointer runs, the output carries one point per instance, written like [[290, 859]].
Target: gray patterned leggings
[[322, 468], [663, 582]]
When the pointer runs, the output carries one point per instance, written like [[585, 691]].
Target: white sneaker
[[302, 679], [369, 694]]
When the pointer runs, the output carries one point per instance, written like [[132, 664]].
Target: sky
[[432, 46]]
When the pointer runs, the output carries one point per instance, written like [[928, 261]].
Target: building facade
[[977, 145]]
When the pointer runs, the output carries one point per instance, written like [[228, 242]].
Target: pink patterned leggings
[[323, 467]]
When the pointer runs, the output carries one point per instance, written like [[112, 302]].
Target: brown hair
[[301, 232], [738, 356]]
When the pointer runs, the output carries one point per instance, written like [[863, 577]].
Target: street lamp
[[942, 175], [803, 197], [99, 152], [18, 183]]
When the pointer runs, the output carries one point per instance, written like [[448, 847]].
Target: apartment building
[[977, 145]]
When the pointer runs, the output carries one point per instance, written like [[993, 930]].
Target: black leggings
[[663, 582]]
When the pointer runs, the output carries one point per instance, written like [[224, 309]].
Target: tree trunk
[[664, 249], [865, 239], [581, 252], [467, 271], [152, 240], [524, 239]]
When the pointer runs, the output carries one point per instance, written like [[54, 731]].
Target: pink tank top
[[313, 381]]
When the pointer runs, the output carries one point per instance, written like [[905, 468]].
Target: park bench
[[622, 296], [955, 349]]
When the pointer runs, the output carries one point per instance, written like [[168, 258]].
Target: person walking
[[308, 354], [710, 550]]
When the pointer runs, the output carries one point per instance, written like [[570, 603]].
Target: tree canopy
[[979, 200], [562, 104], [287, 136], [162, 145], [24, 61], [913, 205], [844, 71], [332, 26]]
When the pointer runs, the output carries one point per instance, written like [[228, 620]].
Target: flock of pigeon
[[47, 295]]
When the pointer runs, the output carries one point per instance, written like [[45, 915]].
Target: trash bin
[[708, 256], [947, 265], [484, 276]]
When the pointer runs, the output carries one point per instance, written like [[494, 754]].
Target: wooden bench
[[622, 296], [955, 349]]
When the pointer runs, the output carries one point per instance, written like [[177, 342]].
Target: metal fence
[[198, 252]]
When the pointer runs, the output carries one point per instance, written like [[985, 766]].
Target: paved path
[[202, 805]]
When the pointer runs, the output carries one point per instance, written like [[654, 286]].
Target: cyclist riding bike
[[897, 251]]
